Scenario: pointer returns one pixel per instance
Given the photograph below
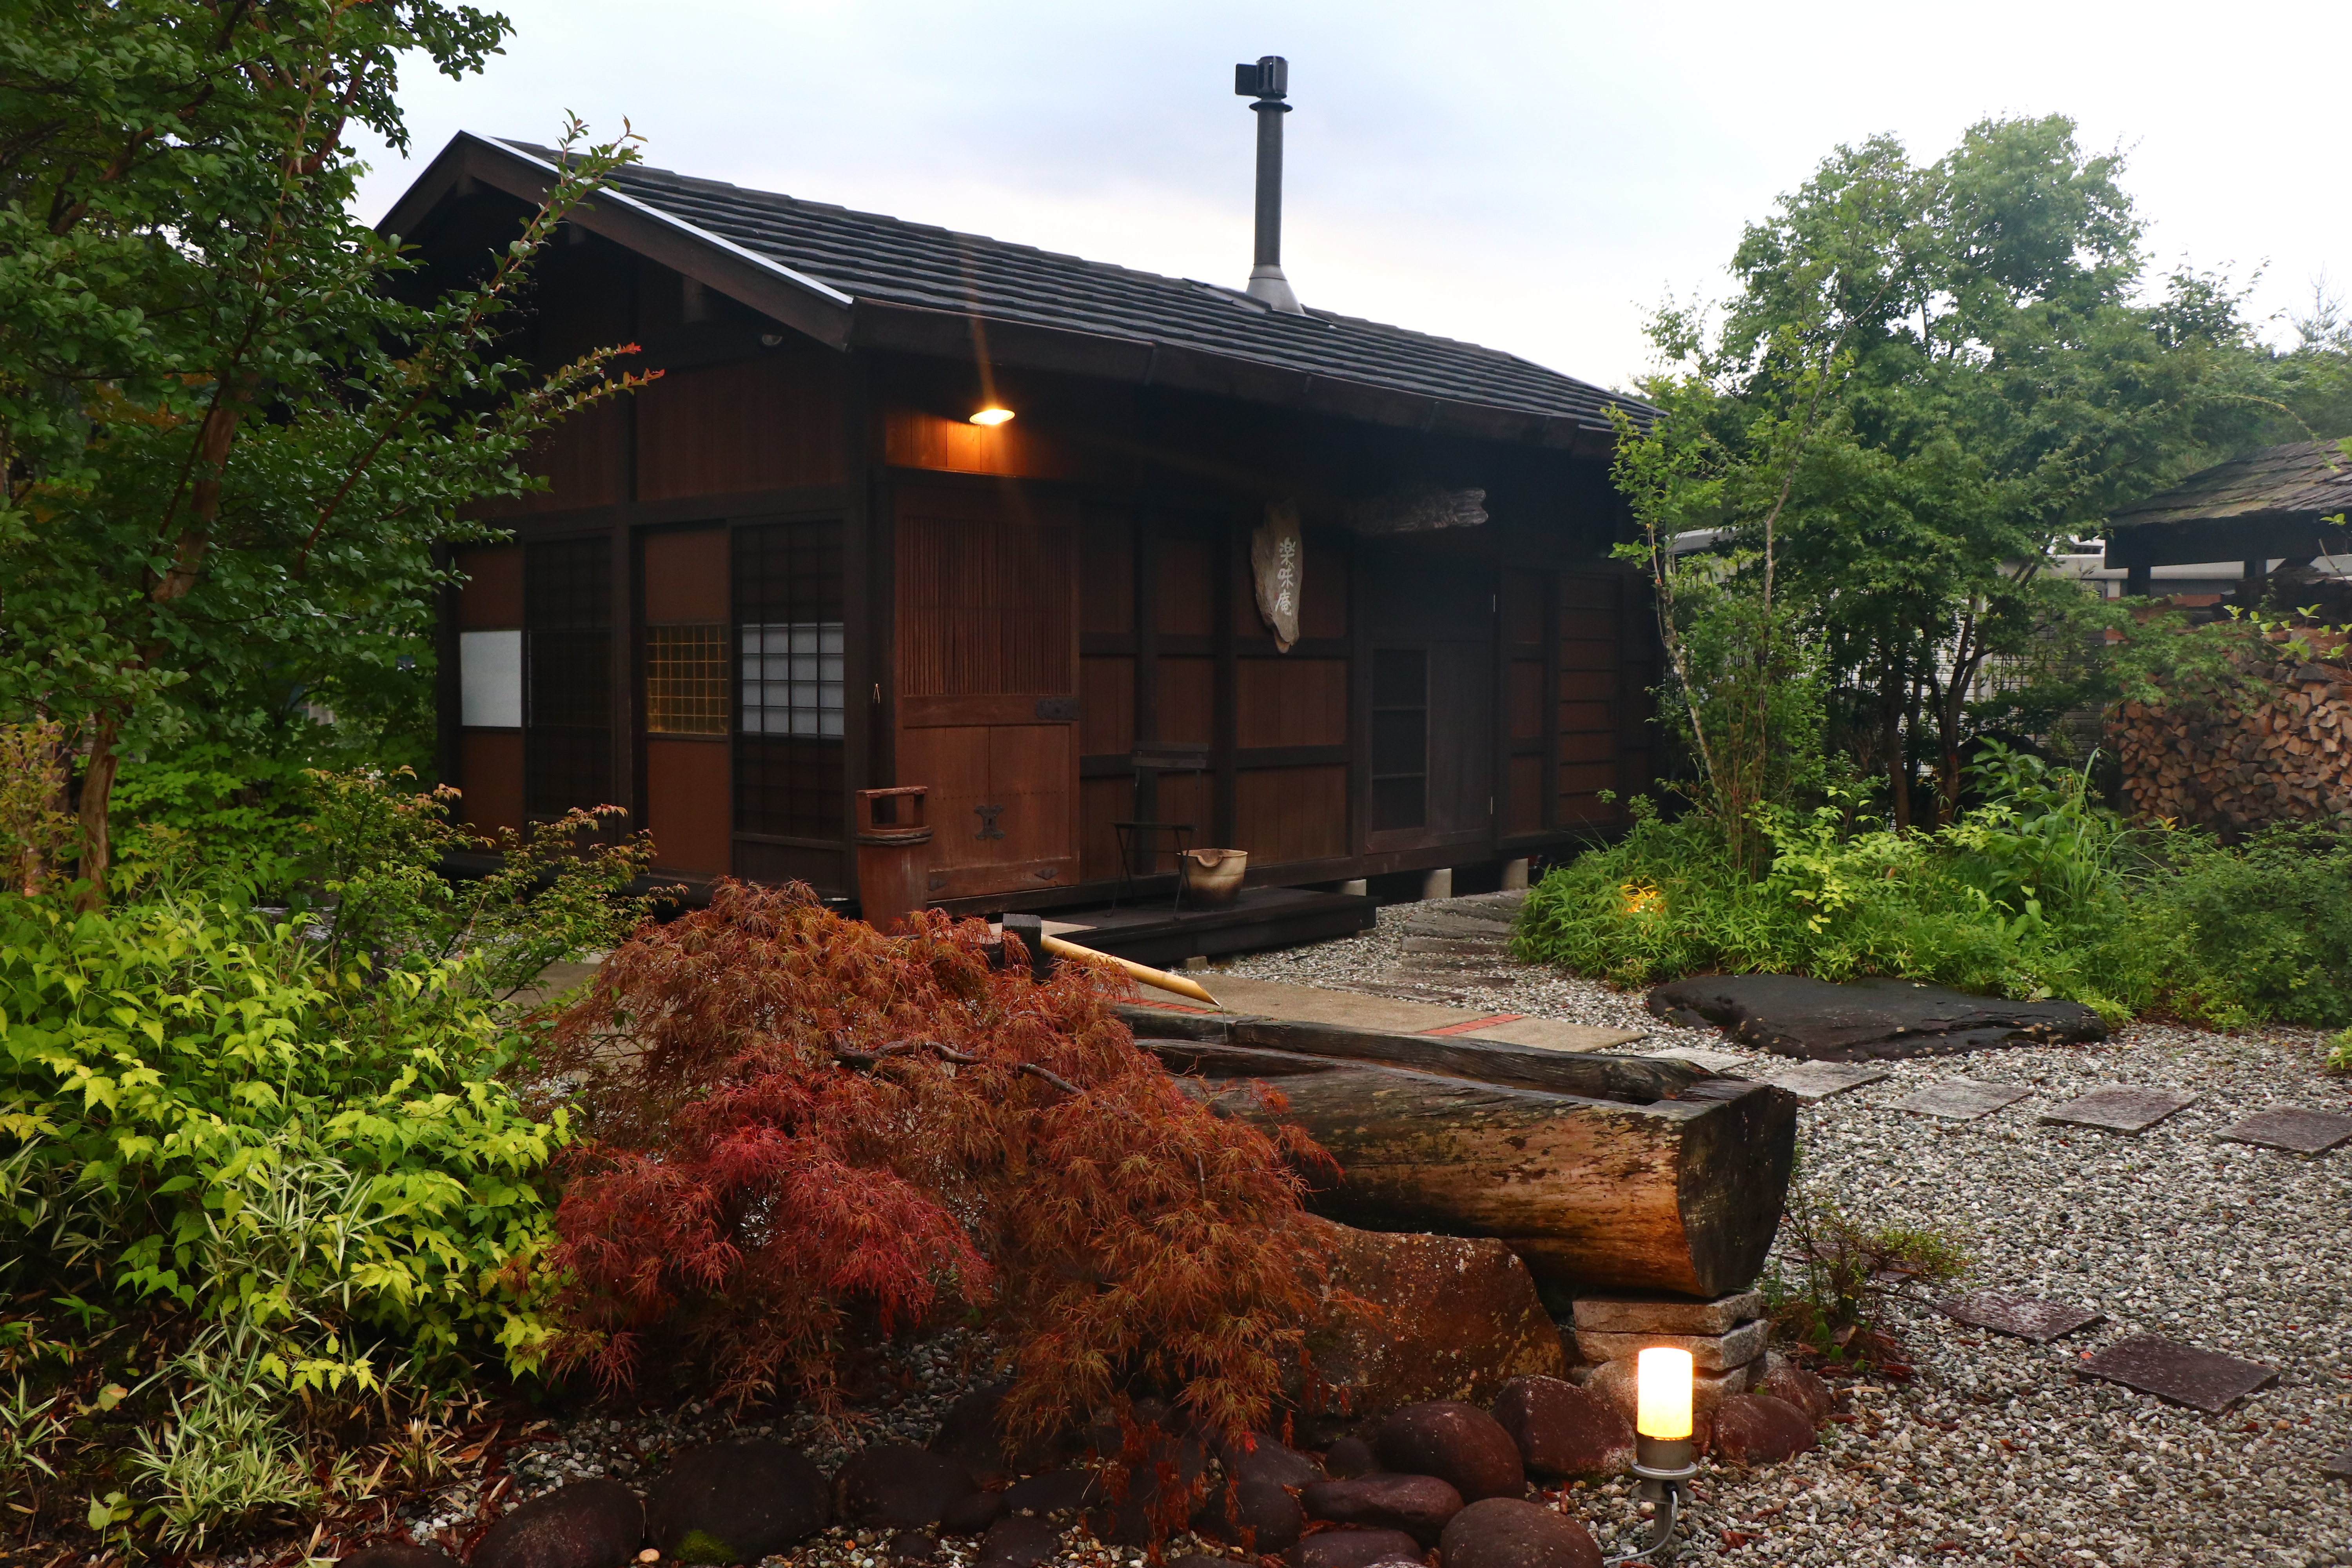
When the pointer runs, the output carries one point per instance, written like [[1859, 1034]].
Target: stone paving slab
[[2119, 1108], [1819, 1080], [1699, 1056], [2338, 1465], [2183, 1374], [2291, 1127], [1962, 1099], [2027, 1317]]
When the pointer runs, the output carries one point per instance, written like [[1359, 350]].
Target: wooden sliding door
[[987, 686]]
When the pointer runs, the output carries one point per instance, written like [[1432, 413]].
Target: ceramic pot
[[1213, 876]]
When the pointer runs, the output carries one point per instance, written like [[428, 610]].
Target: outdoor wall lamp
[[1664, 1457], [992, 414]]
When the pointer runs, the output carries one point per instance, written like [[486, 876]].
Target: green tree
[[2002, 377], [230, 444]]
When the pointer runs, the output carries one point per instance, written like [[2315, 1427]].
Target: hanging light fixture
[[1665, 1456], [992, 414]]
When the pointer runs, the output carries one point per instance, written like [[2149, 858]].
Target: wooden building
[[794, 567]]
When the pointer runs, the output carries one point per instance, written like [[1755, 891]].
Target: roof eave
[[910, 329], [759, 282]]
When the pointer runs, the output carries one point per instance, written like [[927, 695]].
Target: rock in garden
[[972, 1432], [397, 1554], [971, 1515], [1268, 1458], [1757, 1429], [736, 1502], [1457, 1442], [1792, 1385], [1349, 1456], [1256, 1510], [1056, 1491], [588, 1524], [1354, 1549], [1452, 1318], [1013, 1541], [1865, 1020], [898, 1486], [1418, 1505], [1564, 1430], [1135, 1519], [1504, 1532], [907, 1546]]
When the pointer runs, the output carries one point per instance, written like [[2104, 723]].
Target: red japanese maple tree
[[798, 1129]]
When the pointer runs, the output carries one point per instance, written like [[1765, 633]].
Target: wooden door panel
[[988, 689], [687, 805]]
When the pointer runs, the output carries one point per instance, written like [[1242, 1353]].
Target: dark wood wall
[[1011, 611]]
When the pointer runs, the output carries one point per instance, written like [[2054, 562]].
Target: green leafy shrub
[[1829, 1281], [2257, 933], [2024, 896]]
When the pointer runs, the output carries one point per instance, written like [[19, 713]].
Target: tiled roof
[[869, 256], [2302, 479]]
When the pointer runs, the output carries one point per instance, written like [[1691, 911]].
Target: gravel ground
[[1996, 1452]]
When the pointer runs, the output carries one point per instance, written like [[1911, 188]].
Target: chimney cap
[[1270, 77]]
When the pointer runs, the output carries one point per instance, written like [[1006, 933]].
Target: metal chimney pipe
[[1269, 83]]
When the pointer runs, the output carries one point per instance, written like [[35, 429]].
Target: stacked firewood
[[2271, 741]]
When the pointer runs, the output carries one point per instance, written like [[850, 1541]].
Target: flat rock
[[1014, 1542], [2291, 1128], [1709, 1352], [1443, 1318], [2027, 1317], [1865, 1020], [1627, 1314], [1795, 1385], [1255, 1511], [1418, 1505], [1819, 1080], [1757, 1429], [1268, 1458], [1507, 1532], [587, 1524], [397, 1554], [2181, 1374], [2336, 1465], [1564, 1430], [1349, 1455], [1962, 1099], [1354, 1549], [2118, 1108], [1457, 1442], [736, 1502], [898, 1486], [1056, 1491], [973, 1433], [973, 1513], [907, 1546], [1699, 1056]]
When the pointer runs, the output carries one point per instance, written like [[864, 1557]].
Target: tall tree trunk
[[1890, 734], [96, 794]]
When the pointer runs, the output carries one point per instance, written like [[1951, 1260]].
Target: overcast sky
[[1532, 176]]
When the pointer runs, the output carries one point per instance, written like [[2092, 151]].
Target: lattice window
[[791, 678], [792, 788], [686, 679], [1399, 738], [568, 676]]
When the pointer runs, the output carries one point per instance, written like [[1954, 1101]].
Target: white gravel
[[1997, 1452]]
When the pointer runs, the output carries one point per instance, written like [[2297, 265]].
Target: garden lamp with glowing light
[[1665, 1456], [992, 414]]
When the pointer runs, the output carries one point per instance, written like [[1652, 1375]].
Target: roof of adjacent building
[[2277, 502], [2303, 478], [886, 275]]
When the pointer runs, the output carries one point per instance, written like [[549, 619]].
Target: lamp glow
[[1662, 1387], [993, 415]]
